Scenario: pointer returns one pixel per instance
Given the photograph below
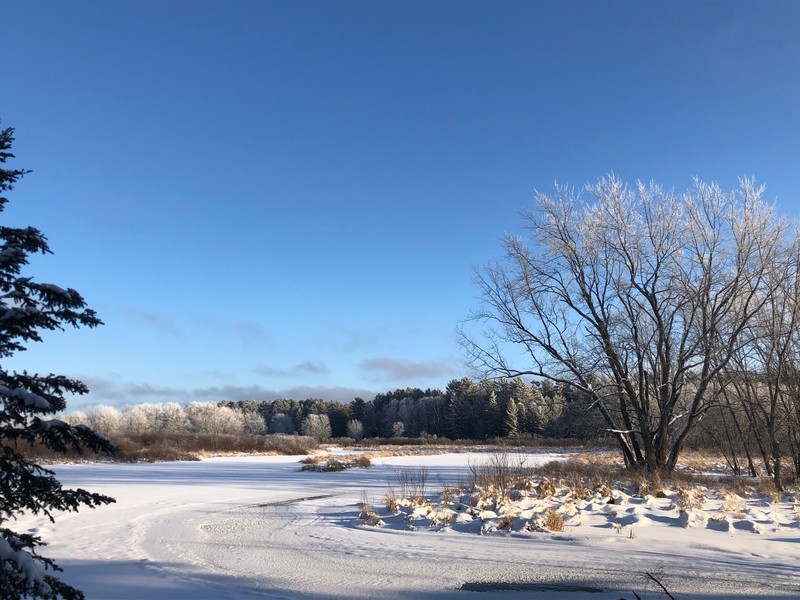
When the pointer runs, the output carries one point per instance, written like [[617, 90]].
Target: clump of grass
[[767, 487], [657, 486], [688, 498], [553, 520], [328, 463], [576, 485], [390, 501], [546, 488], [739, 485], [413, 484], [367, 514], [330, 466], [366, 507], [440, 519], [361, 461], [506, 522], [600, 486], [449, 493]]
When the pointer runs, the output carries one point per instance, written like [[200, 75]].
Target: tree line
[[466, 409]]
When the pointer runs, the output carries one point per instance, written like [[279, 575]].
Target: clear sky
[[267, 198]]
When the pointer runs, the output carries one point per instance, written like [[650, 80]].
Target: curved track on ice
[[258, 528]]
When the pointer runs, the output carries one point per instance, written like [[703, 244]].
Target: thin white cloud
[[306, 367], [104, 390], [161, 322], [249, 332]]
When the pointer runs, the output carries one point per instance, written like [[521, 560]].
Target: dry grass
[[500, 476], [688, 498], [528, 441], [329, 463], [553, 521], [152, 447], [449, 493], [413, 484], [390, 501], [506, 522], [699, 461]]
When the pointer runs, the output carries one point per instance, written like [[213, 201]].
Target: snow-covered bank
[[242, 528]]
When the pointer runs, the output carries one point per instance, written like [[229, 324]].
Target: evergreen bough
[[28, 308]]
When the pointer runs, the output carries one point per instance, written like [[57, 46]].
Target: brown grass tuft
[[553, 521]]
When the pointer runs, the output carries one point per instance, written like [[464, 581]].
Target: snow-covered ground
[[257, 527]]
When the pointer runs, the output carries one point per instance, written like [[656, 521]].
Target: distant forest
[[467, 409]]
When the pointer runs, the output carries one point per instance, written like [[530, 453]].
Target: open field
[[258, 527]]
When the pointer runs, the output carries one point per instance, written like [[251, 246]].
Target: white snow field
[[257, 527]]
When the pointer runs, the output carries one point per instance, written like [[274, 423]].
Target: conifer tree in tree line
[[27, 308]]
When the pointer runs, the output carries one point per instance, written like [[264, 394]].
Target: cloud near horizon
[[406, 370], [105, 390]]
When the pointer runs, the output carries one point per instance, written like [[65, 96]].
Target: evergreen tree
[[357, 408], [511, 422], [522, 395], [492, 422], [26, 309], [467, 410]]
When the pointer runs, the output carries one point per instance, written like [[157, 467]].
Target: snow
[[54, 289], [257, 527], [10, 313], [23, 562], [29, 399]]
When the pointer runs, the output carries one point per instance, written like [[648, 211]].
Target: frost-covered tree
[[142, 418], [317, 427], [27, 308], [398, 429], [173, 418], [105, 419], [639, 298], [211, 419], [355, 429], [253, 423]]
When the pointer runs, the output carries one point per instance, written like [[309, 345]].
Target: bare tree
[[761, 372], [637, 297]]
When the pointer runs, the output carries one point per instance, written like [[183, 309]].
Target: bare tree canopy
[[637, 296]]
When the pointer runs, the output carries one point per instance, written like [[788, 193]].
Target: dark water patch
[[507, 586]]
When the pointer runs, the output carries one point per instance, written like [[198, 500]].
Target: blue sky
[[289, 198]]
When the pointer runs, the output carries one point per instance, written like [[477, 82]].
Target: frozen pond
[[257, 527]]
